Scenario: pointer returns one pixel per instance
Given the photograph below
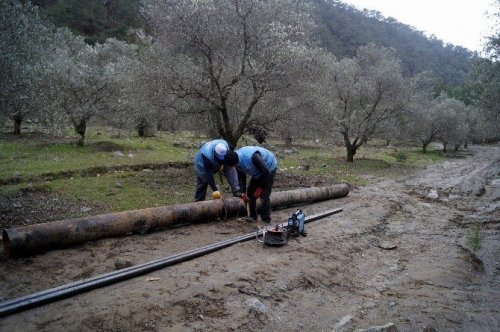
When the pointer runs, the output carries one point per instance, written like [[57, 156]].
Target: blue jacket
[[206, 165], [245, 160], [207, 151]]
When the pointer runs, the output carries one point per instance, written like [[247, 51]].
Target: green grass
[[474, 237], [371, 160], [127, 190], [33, 158], [122, 190]]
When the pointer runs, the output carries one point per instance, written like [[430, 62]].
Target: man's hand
[[216, 195], [243, 197]]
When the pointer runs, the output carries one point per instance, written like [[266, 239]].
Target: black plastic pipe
[[50, 295]]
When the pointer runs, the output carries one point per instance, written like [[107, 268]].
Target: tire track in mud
[[441, 272]]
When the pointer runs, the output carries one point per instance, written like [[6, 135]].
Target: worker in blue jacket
[[260, 164], [209, 160]]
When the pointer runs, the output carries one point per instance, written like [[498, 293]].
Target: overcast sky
[[459, 22]]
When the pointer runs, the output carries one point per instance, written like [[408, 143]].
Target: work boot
[[248, 219]]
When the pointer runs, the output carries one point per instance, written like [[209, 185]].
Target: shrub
[[401, 156], [474, 238]]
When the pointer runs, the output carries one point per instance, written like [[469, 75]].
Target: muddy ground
[[393, 255]]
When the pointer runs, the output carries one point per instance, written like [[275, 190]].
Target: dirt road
[[393, 255]]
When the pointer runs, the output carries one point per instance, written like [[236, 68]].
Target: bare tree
[[227, 57]]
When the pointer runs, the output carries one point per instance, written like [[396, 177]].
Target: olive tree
[[450, 118], [50, 74], [472, 118], [484, 83], [26, 42], [363, 93], [146, 100], [227, 58], [442, 119], [423, 126], [493, 44], [84, 79]]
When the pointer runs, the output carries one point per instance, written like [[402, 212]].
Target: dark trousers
[[242, 180], [265, 197], [201, 189]]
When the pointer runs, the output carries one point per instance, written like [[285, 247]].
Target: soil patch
[[38, 206], [338, 277]]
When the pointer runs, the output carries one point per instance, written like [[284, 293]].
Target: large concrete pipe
[[39, 237]]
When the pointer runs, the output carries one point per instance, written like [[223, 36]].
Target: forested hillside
[[342, 29], [95, 19]]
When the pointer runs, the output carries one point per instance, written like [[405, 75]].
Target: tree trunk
[[351, 151], [18, 120], [444, 146], [141, 127], [17, 126], [465, 145], [457, 146], [231, 139], [350, 147], [81, 140], [424, 147], [80, 128]]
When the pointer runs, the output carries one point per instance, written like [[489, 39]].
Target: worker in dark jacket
[[260, 164], [210, 160]]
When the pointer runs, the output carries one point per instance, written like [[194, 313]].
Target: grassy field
[[32, 157], [44, 164]]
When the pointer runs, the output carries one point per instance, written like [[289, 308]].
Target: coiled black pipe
[[68, 290]]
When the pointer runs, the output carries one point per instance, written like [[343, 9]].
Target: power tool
[[278, 235]]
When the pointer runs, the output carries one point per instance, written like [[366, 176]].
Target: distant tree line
[[341, 29], [230, 68], [95, 20]]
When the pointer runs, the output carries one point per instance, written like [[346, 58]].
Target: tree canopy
[[342, 29], [240, 67]]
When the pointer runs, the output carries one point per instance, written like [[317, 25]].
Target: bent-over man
[[210, 160], [260, 164]]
